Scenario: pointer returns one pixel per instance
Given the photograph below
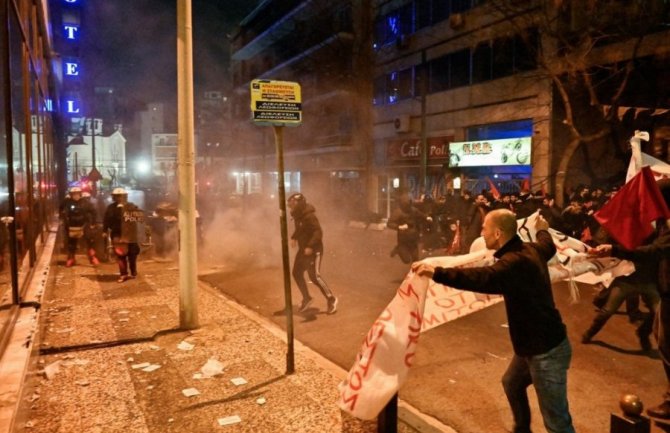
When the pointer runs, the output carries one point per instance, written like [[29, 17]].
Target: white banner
[[420, 304]]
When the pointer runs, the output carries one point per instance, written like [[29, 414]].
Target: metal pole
[[424, 140], [279, 141], [387, 421], [188, 259]]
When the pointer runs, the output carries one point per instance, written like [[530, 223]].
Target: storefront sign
[[410, 149], [508, 151]]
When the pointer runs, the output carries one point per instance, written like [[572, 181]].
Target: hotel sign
[[508, 151]]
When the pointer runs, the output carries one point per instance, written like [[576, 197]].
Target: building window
[[459, 68], [439, 74], [379, 95], [481, 63], [503, 57]]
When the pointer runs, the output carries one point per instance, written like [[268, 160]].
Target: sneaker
[[69, 263], [123, 278], [305, 304], [332, 306]]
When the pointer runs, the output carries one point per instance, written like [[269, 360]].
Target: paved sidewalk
[[97, 337]]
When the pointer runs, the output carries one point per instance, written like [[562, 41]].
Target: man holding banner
[[542, 351]]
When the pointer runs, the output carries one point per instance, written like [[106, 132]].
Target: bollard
[[632, 420], [387, 421]]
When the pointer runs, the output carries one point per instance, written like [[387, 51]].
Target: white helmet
[[75, 189], [119, 191]]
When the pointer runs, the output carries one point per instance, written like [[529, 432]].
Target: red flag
[[494, 190], [628, 215], [525, 186]]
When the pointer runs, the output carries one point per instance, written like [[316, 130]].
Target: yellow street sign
[[276, 103]]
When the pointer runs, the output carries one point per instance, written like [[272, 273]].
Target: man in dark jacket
[[542, 351], [656, 253], [308, 237]]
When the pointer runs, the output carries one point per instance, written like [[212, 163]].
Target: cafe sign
[[410, 149]]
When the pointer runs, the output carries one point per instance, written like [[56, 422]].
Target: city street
[[458, 367]]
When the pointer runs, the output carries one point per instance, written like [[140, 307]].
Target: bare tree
[[589, 51]]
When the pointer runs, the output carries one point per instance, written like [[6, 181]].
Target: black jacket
[[655, 256], [521, 275], [308, 231]]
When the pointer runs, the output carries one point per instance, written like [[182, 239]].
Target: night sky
[[132, 45]]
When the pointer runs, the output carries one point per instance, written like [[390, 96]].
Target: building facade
[[29, 130], [324, 47]]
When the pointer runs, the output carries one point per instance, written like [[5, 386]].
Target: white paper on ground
[[190, 392], [211, 368], [239, 381], [229, 420]]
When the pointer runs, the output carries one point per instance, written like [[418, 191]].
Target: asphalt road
[[458, 366]]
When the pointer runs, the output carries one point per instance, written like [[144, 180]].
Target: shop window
[[481, 63]]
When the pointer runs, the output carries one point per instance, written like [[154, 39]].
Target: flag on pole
[[627, 217], [494, 190]]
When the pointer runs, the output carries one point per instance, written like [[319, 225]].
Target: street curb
[[407, 413]]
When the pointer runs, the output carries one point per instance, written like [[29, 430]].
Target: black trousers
[[310, 264]]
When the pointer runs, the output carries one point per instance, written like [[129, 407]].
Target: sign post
[[279, 104]]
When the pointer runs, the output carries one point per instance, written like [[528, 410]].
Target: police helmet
[[119, 191]]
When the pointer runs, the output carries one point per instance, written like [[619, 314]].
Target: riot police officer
[[120, 224], [79, 217]]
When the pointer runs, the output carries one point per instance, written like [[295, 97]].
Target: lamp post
[[94, 176]]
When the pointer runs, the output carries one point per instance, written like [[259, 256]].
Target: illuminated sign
[[71, 31], [71, 69], [71, 1], [410, 149], [72, 107], [276, 103], [509, 151]]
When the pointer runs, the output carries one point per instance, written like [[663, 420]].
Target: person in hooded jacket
[[406, 219], [657, 254], [308, 237]]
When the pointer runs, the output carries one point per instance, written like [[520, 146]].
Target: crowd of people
[[449, 224], [495, 220]]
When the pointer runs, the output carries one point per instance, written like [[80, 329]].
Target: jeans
[[548, 373]]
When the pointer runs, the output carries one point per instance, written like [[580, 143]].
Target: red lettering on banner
[[408, 292], [432, 319], [350, 401], [357, 376], [414, 328]]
